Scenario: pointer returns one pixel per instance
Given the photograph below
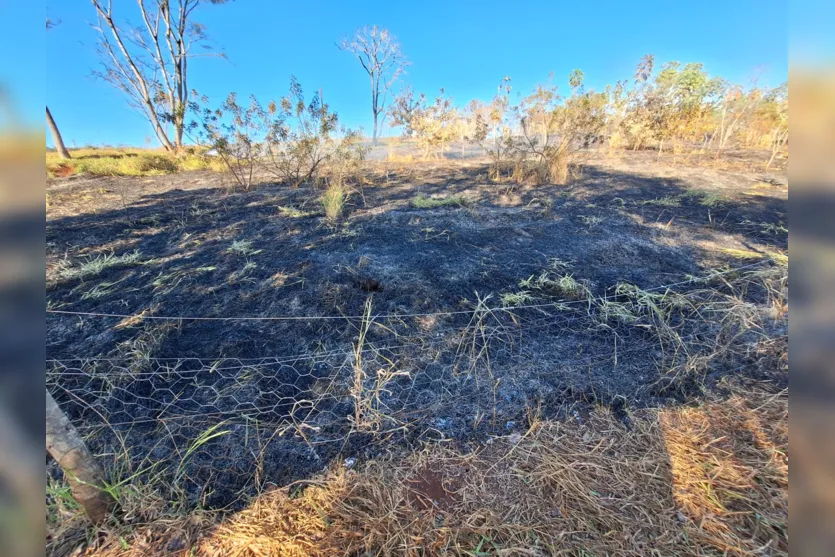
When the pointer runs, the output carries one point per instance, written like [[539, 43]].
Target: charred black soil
[[307, 340]]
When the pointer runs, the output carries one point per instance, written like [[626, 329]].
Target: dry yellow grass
[[705, 480], [730, 467], [127, 162], [776, 256]]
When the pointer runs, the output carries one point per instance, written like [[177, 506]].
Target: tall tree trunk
[[56, 136], [374, 133], [178, 136], [82, 471]]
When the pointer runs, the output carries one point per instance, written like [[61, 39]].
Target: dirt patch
[[428, 488], [63, 170]]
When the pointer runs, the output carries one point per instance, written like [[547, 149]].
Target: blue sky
[[465, 47], [22, 59], [811, 41]]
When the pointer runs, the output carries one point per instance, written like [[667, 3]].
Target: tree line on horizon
[[676, 106]]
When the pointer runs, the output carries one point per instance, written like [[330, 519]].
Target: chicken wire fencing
[[215, 430]]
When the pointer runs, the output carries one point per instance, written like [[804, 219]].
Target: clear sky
[[465, 47]]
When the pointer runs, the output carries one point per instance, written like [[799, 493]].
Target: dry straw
[[706, 480]]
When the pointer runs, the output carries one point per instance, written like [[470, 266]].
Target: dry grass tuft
[[421, 201], [291, 525], [333, 201]]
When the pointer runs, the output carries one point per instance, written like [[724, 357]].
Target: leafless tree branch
[[380, 56], [149, 62]]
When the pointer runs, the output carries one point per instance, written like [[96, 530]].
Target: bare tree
[[149, 62], [56, 136], [83, 473], [380, 56]]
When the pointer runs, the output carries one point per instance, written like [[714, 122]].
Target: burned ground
[[450, 347]]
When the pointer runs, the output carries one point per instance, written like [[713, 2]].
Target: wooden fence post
[[83, 473]]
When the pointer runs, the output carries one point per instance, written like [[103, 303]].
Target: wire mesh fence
[[214, 430]]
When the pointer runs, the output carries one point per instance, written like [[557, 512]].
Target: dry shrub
[[394, 157], [518, 174], [530, 173], [558, 168], [492, 129], [292, 140], [434, 125], [557, 131]]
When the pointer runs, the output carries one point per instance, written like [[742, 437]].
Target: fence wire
[[213, 430]]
